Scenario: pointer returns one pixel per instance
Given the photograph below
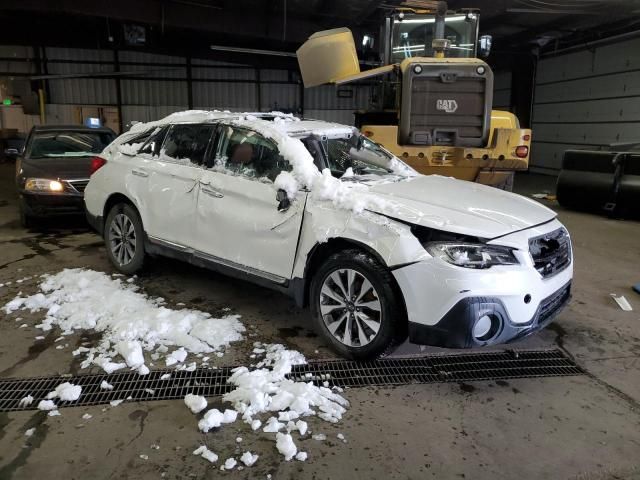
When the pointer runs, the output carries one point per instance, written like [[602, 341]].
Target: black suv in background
[[54, 168]]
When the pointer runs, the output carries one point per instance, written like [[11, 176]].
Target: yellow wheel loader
[[432, 96]]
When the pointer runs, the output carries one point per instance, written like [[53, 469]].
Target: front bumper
[[47, 205], [455, 328], [445, 302]]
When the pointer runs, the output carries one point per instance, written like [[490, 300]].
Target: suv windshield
[[67, 144], [412, 36], [362, 156]]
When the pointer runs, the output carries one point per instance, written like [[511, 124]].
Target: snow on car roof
[[283, 122]]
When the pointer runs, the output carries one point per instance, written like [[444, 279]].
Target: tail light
[[522, 151], [98, 162]]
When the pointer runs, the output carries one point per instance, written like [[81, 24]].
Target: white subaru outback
[[318, 211]]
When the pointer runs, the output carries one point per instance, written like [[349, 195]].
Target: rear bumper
[[45, 205], [455, 329]]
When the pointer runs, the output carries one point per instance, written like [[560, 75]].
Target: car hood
[[458, 206], [68, 168]]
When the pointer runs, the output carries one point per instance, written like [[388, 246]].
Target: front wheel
[[124, 239], [356, 305]]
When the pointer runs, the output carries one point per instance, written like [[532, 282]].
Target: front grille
[[78, 185], [551, 253], [552, 304]]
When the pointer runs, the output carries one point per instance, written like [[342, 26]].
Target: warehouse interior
[[566, 74]]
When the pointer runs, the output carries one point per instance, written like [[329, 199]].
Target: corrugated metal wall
[[152, 86], [585, 99]]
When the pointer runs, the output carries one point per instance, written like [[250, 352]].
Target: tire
[[129, 256], [378, 306]]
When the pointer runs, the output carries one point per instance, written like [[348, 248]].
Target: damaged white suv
[[318, 211]]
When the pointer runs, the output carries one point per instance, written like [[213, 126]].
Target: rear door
[[237, 219], [172, 173]]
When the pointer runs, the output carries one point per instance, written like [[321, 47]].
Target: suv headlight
[[471, 255], [43, 185]]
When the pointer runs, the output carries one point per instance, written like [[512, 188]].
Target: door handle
[[139, 172], [211, 192]]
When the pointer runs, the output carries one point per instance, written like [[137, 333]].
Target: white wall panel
[[585, 99]]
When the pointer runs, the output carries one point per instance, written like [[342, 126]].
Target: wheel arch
[[321, 251], [114, 199]]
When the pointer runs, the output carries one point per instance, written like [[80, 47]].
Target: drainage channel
[[340, 373]]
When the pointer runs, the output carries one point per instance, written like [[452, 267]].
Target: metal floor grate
[[341, 373]]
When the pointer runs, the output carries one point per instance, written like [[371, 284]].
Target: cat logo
[[448, 106]]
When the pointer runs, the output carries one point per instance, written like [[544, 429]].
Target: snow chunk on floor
[[106, 385], [47, 405], [301, 456], [273, 425], [196, 403], [249, 458], [285, 445], [29, 432], [177, 356], [268, 390], [67, 392], [205, 453], [214, 418], [26, 401], [230, 463], [130, 321]]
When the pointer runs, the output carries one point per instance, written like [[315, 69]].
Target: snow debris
[[301, 456], [130, 321], [39, 337], [115, 403], [177, 356], [47, 405], [166, 376], [205, 453], [29, 432], [144, 457], [341, 437], [255, 424], [150, 391], [214, 418], [238, 439], [319, 436], [248, 458], [87, 416], [230, 463], [53, 413], [106, 385], [26, 401], [130, 149], [196, 403], [24, 325], [273, 425], [285, 445], [66, 392]]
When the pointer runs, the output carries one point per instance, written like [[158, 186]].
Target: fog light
[[417, 69], [486, 327], [480, 70]]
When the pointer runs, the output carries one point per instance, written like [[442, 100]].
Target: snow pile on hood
[[130, 321]]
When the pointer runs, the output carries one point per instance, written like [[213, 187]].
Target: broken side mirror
[[283, 200], [484, 46]]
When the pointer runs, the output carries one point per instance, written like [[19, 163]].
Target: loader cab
[[408, 35]]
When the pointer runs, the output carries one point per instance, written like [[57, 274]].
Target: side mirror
[[484, 46], [283, 200], [11, 152]]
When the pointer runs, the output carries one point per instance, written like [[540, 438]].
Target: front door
[[237, 218]]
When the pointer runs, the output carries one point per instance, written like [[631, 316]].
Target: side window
[[188, 143], [154, 143], [244, 152]]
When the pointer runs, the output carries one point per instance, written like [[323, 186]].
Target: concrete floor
[[576, 427]]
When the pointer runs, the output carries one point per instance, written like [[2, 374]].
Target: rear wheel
[[356, 305], [124, 238]]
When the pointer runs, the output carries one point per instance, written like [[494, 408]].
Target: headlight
[[43, 185], [470, 255]]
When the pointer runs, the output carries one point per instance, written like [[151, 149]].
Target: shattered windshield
[[68, 144], [357, 156]]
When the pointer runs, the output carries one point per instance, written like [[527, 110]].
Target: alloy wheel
[[350, 307], [122, 239]]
